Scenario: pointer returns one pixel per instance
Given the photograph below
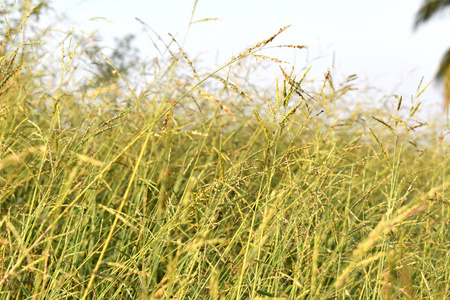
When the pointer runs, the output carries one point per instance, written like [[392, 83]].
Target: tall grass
[[198, 186]]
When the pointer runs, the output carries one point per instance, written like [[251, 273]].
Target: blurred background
[[374, 39]]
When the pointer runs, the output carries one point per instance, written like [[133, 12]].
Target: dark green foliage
[[428, 10]]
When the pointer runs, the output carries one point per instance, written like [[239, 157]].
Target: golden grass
[[183, 189]]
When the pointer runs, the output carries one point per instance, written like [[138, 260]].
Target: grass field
[[192, 185]]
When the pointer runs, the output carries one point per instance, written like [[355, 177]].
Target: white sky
[[373, 39]]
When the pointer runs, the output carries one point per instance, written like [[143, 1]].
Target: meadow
[[184, 184]]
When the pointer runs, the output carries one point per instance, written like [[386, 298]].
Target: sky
[[373, 39]]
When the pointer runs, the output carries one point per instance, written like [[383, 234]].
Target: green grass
[[206, 187]]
